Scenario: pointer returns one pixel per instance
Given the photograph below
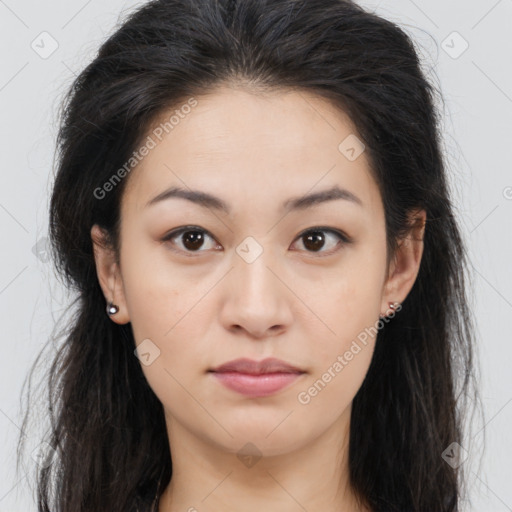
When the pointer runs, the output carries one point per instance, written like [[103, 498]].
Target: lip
[[256, 378], [249, 366]]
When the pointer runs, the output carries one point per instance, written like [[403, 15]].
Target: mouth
[[256, 378]]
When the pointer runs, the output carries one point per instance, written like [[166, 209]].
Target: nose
[[257, 300]]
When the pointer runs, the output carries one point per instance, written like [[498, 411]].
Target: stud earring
[[392, 306], [112, 309]]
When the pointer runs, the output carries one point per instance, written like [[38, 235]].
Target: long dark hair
[[107, 426]]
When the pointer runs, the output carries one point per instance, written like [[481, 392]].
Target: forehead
[[251, 147]]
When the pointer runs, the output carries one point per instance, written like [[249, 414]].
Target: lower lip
[[256, 385]]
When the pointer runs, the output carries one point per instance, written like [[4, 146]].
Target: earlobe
[[405, 263], [109, 277]]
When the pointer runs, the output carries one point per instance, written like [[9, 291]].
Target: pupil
[[316, 240], [193, 239]]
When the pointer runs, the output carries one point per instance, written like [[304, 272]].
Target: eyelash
[[344, 239]]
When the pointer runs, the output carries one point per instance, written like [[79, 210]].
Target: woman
[[252, 206]]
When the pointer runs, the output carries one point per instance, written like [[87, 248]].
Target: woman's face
[[265, 276]]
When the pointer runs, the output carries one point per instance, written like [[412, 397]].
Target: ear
[[405, 264], [109, 275]]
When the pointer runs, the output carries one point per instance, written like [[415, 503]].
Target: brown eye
[[189, 239], [192, 239], [314, 240]]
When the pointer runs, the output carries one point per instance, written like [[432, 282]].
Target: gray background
[[44, 44]]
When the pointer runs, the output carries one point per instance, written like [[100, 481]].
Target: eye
[[193, 239], [314, 240]]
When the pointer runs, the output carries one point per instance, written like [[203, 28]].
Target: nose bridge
[[252, 269], [256, 298]]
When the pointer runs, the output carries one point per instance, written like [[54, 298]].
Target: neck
[[210, 479]]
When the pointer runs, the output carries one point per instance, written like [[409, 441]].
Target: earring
[[112, 309], [392, 306]]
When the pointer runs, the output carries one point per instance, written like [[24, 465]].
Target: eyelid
[[338, 232]]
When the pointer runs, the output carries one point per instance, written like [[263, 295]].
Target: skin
[[255, 151]]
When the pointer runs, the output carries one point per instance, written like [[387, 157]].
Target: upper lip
[[249, 366]]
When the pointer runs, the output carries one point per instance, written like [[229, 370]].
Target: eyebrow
[[207, 200]]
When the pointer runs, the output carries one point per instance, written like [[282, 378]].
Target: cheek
[[341, 359], [350, 297], [162, 311], [155, 294], [330, 392], [163, 304], [349, 303]]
